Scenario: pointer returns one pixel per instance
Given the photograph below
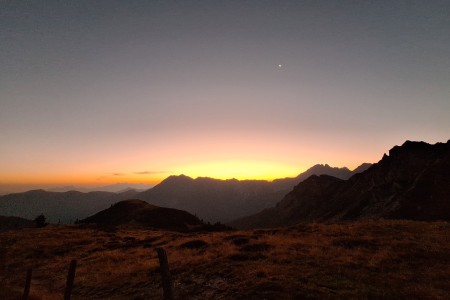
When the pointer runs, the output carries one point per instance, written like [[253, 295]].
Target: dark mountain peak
[[409, 147], [234, 181], [177, 179], [319, 166], [418, 148], [414, 155], [319, 169], [325, 167], [207, 179], [416, 144], [183, 176]]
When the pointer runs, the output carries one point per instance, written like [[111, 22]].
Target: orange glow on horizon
[[241, 170], [226, 169], [221, 156]]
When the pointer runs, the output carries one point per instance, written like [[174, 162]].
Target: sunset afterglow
[[224, 149], [95, 93]]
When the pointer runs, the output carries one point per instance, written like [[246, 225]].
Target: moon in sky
[[280, 66]]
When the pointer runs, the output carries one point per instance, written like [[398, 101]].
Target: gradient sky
[[95, 92]]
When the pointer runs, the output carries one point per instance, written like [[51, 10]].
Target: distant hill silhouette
[[140, 213], [320, 169], [113, 188], [65, 207], [224, 200], [7, 223], [413, 182], [212, 199]]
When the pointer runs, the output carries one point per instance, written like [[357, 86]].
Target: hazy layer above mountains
[[113, 188]]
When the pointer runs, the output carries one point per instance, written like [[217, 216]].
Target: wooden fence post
[[26, 290], [70, 279], [165, 274]]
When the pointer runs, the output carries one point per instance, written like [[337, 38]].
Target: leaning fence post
[[26, 290], [70, 279], [165, 274]]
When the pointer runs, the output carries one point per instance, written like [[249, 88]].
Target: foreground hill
[[384, 259], [140, 213], [413, 182], [64, 207], [224, 200]]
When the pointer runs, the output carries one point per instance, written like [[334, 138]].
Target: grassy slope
[[372, 259]]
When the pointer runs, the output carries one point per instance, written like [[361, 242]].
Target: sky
[[99, 92]]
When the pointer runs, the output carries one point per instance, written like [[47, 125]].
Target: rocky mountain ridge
[[412, 182]]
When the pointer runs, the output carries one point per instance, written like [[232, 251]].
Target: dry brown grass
[[363, 260]]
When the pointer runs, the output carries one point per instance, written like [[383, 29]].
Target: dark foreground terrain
[[364, 260]]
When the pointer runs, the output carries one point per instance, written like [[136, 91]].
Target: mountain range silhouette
[[210, 199], [411, 182]]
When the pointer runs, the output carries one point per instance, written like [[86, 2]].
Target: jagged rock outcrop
[[412, 182]]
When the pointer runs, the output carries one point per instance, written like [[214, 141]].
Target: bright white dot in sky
[[280, 66]]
